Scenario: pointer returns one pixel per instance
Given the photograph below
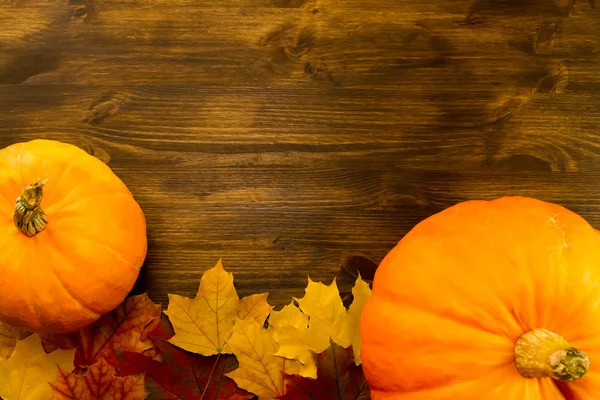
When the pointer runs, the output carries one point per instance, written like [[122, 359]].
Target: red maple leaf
[[184, 375], [125, 328], [98, 383], [160, 328], [338, 378]]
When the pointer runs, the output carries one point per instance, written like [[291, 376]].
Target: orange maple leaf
[[123, 329], [98, 383]]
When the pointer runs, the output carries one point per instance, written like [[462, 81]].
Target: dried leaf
[[290, 315], [327, 313], [300, 344], [260, 371], [359, 266], [351, 329], [99, 382], [25, 375], [297, 340], [8, 339], [184, 375], [256, 307], [338, 378], [66, 341], [203, 325], [160, 328], [121, 329]]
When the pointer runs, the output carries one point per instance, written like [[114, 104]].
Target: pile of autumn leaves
[[215, 346]]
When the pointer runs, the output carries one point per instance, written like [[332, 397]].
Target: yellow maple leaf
[[256, 307], [28, 371], [260, 371], [300, 344], [351, 329], [297, 340], [8, 339], [204, 324], [327, 313], [289, 315]]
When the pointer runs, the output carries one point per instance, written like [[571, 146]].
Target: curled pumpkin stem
[[542, 353], [29, 216]]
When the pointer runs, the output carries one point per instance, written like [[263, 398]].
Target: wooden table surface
[[293, 137]]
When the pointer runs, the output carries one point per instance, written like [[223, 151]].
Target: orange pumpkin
[[72, 238], [494, 300]]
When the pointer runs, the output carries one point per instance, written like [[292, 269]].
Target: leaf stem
[[210, 376]]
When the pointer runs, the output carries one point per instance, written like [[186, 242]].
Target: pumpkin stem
[[541, 353], [29, 217]]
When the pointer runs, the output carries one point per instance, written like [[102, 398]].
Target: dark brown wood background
[[293, 137]]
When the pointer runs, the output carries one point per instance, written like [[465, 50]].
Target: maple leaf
[[338, 378], [300, 344], [98, 383], [297, 340], [184, 375], [260, 371], [359, 266], [327, 313], [290, 315], [25, 375], [8, 339], [255, 306], [122, 329], [300, 337], [203, 325], [351, 329], [160, 328]]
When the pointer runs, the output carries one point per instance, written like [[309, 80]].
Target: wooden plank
[[245, 126], [407, 45], [272, 245], [291, 136], [275, 224]]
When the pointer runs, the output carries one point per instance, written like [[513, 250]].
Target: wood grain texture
[[305, 137]]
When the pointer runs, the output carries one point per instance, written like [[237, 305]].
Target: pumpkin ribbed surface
[[493, 300], [61, 274]]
